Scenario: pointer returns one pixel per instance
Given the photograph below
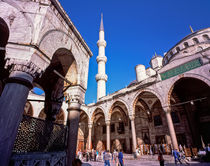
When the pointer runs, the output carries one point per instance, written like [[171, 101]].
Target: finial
[[155, 54], [191, 29], [102, 25]]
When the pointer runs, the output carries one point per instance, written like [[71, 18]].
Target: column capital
[[74, 102], [167, 110], [132, 117], [24, 66], [90, 125], [108, 122]]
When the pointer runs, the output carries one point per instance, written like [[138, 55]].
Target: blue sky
[[134, 31]]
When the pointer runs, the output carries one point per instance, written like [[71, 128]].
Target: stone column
[[12, 102], [90, 125], [171, 129], [73, 124], [108, 135], [133, 130]]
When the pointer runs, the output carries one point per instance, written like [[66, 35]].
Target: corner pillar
[[108, 135], [12, 102], [171, 129], [73, 124]]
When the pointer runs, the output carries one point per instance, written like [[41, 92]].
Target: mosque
[[168, 103]]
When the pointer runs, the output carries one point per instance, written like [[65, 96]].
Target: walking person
[[115, 157], [107, 157], [160, 158], [120, 157], [176, 156]]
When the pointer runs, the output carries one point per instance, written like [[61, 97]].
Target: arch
[[195, 40], [97, 110], [28, 109], [186, 45], [18, 20], [185, 75], [206, 37], [135, 99], [114, 104], [49, 44], [60, 117]]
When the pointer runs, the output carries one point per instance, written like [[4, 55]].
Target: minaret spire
[[101, 59], [102, 24]]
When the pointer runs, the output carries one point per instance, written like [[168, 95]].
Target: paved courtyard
[[151, 163], [149, 160]]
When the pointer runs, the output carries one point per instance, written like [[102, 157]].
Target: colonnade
[[133, 130]]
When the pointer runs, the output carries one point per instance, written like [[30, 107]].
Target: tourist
[[207, 149], [120, 157], [80, 154], [97, 155], [176, 156], [107, 157], [115, 157], [94, 152], [183, 158], [160, 158]]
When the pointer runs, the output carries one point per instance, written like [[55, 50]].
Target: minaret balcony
[[101, 58], [101, 77], [101, 43]]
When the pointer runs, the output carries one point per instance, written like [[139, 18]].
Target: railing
[[36, 135]]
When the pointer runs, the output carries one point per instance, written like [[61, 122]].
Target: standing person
[[160, 158], [107, 157], [97, 155], [120, 157], [176, 156]]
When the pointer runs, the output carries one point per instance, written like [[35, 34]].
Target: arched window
[[206, 37], [186, 44], [177, 49], [195, 40]]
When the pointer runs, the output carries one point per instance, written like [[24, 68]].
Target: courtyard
[[149, 160]]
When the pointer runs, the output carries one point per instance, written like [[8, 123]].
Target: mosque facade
[[168, 103]]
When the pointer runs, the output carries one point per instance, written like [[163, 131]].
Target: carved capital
[[101, 77], [74, 102], [132, 117], [108, 122], [23, 66]]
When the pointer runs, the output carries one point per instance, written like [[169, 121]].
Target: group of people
[[105, 156]]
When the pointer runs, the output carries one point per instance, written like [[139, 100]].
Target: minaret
[[101, 59]]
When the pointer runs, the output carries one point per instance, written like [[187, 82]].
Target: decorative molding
[[101, 58]]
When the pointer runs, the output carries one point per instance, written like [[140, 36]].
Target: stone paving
[[150, 160]]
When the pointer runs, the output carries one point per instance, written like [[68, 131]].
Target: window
[[175, 117], [157, 120], [195, 40], [112, 128], [104, 129], [186, 44], [206, 37]]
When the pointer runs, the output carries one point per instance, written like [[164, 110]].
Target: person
[[160, 158], [80, 154], [115, 157], [207, 149], [120, 157], [97, 155], [107, 158], [183, 158], [176, 156]]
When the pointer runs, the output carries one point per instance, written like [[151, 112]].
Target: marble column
[[73, 124], [171, 129], [90, 126], [133, 130], [12, 102], [108, 135]]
